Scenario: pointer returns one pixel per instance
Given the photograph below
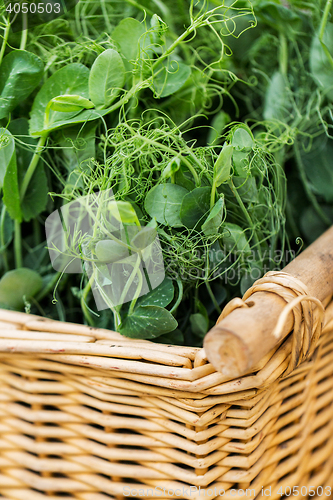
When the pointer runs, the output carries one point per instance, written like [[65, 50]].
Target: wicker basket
[[88, 414]]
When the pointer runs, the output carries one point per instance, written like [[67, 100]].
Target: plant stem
[[5, 38], [17, 244], [324, 19], [212, 195], [311, 196], [32, 167], [283, 56], [48, 287], [180, 296], [24, 35], [84, 306], [210, 291], [322, 30]]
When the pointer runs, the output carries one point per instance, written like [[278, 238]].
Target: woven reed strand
[[85, 413]]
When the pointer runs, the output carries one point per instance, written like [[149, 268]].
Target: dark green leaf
[[184, 178], [173, 338], [170, 78], [247, 188], [312, 225], [199, 324], [35, 198], [20, 74], [164, 202], [280, 17], [234, 239], [161, 296], [276, 101], [106, 78], [318, 166], [195, 206], [147, 322], [17, 284], [321, 61], [77, 145]]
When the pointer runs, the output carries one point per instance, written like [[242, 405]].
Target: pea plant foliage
[[146, 153]]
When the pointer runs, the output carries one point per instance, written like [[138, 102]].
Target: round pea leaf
[[195, 206], [148, 322], [18, 285], [164, 202], [161, 296]]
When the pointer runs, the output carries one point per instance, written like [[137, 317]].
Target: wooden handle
[[239, 341]]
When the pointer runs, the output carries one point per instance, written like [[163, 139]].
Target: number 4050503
[[33, 8]]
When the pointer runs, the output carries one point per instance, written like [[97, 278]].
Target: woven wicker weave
[[88, 414]]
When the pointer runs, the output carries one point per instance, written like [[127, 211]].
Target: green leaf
[[123, 212], [69, 103], [321, 61], [242, 139], [214, 220], [184, 178], [311, 224], [318, 166], [194, 207], [199, 324], [11, 191], [170, 78], [110, 251], [8, 228], [219, 122], [280, 17], [247, 189], [21, 71], [148, 322], [145, 237], [234, 239], [158, 29], [35, 198], [161, 296], [71, 79], [17, 284], [276, 100], [7, 152], [222, 167], [127, 35], [77, 145], [106, 78], [164, 202], [173, 338]]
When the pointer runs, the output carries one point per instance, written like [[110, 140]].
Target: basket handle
[[246, 330]]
